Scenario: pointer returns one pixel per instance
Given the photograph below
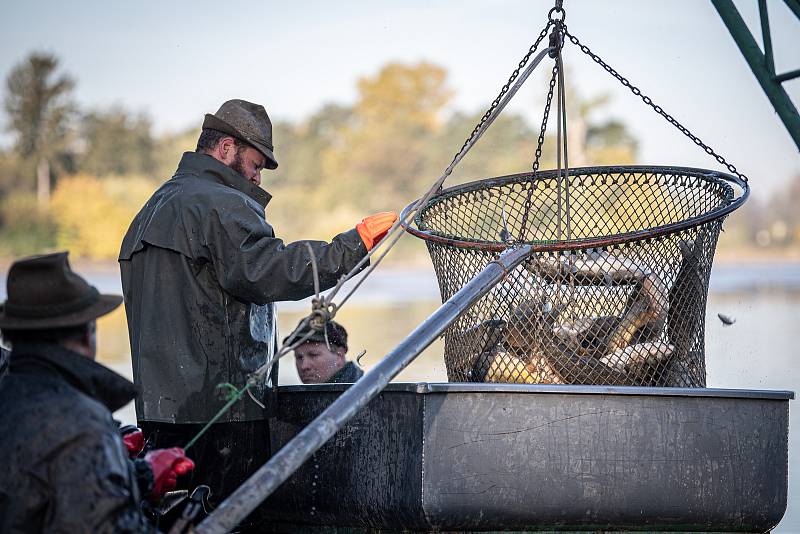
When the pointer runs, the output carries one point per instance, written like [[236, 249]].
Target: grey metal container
[[513, 457]]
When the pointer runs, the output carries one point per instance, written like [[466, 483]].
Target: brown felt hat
[[43, 293], [247, 122]]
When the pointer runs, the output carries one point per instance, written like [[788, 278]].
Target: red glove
[[167, 465], [133, 438], [373, 228]]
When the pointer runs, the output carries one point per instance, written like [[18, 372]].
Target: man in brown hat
[[63, 463], [201, 269]]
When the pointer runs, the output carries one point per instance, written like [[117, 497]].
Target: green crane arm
[[762, 63]]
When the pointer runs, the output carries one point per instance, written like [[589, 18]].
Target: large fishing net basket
[[615, 293]]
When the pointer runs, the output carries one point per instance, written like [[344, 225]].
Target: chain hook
[[558, 9], [556, 38]]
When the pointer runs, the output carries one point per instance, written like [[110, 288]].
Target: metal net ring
[[620, 302]]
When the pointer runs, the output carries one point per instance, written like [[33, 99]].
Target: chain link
[[538, 154], [545, 117], [505, 88], [658, 109]]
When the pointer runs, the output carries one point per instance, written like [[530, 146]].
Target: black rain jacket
[[64, 466], [348, 374], [201, 269]]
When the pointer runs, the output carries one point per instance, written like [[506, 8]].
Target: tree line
[[74, 177]]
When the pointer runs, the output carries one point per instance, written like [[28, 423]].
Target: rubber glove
[[167, 466], [133, 438], [373, 228]]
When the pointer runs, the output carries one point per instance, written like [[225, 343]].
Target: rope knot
[[321, 313]]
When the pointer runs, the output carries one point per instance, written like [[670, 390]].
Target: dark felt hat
[[248, 122], [43, 292], [337, 335]]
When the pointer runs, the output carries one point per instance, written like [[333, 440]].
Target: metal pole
[[281, 466]]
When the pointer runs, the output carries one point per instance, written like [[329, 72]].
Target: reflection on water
[[759, 351]]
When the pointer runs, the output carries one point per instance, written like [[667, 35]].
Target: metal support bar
[[287, 460], [766, 37], [791, 75], [794, 5], [755, 58]]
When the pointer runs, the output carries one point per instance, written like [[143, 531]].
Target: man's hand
[[167, 466], [133, 438], [373, 228]]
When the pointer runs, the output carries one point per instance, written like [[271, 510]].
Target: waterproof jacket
[[4, 354], [348, 374], [64, 466], [201, 269]]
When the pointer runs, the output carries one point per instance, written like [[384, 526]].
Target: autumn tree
[[383, 156], [39, 107]]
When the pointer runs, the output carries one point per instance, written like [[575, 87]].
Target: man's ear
[[226, 148], [341, 352]]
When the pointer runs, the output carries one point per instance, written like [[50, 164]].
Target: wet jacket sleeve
[[255, 266], [104, 499]]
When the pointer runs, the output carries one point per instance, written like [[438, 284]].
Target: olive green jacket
[[201, 269]]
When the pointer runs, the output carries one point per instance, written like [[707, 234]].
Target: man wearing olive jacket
[[201, 269]]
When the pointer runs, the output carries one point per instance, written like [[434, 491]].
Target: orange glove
[[373, 228]]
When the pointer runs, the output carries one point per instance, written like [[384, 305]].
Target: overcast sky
[[177, 60]]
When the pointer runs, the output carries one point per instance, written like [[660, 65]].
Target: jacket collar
[[349, 373], [205, 164], [87, 376]]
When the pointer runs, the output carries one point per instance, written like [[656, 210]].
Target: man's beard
[[238, 162]]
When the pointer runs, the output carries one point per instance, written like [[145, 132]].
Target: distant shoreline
[[748, 256]]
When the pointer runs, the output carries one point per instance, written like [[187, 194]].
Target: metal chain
[[658, 109], [545, 117], [505, 88], [538, 154]]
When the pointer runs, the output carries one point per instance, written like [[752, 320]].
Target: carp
[[594, 350], [685, 315]]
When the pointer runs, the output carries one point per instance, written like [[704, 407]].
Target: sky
[[177, 60]]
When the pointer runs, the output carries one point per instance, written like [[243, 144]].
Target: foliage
[[384, 153], [25, 228], [116, 143], [168, 151], [337, 166], [92, 215]]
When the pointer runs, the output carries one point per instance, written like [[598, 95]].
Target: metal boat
[[483, 457]]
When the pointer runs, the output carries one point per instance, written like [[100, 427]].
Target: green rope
[[232, 394]]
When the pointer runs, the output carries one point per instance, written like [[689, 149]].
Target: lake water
[[759, 351]]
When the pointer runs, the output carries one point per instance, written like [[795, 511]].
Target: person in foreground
[[323, 358], [64, 465], [201, 270]]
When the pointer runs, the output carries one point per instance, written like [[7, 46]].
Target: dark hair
[[337, 335], [209, 138], [50, 335]]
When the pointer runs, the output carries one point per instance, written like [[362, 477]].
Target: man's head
[[49, 303], [81, 339], [316, 360], [239, 135], [234, 153]]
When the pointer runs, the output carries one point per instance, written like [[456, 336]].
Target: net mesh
[[616, 292]]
